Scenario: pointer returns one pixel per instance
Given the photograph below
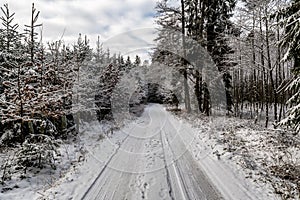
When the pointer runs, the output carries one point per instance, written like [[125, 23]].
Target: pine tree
[[37, 87], [18, 75], [291, 42], [137, 61], [10, 38], [128, 63], [170, 44], [99, 55], [218, 28], [107, 83], [31, 33]]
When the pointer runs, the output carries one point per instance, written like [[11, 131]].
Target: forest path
[[152, 161]]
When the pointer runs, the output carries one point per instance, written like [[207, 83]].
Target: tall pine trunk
[[185, 75]]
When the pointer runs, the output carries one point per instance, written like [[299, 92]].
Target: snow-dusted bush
[[5, 170], [37, 151]]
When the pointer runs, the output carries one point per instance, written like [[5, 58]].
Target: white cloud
[[91, 17]]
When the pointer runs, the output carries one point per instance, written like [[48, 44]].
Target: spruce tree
[[218, 28], [31, 33], [10, 38], [137, 61], [291, 42]]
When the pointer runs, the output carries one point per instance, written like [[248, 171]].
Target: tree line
[[47, 89], [254, 45]]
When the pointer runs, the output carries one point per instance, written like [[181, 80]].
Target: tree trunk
[[273, 89], [185, 75]]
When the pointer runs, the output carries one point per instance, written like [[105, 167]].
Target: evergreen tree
[[172, 43], [291, 42], [121, 60], [10, 38], [137, 61], [107, 83], [128, 63], [99, 55], [31, 33], [218, 28]]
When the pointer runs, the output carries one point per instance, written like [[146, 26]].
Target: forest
[[254, 46], [48, 90]]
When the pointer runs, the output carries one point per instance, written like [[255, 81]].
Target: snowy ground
[[163, 156], [269, 158], [139, 162], [27, 185]]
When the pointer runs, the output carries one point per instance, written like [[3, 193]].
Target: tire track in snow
[[166, 168], [178, 175], [103, 169], [202, 186]]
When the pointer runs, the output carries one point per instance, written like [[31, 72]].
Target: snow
[[27, 186], [165, 156], [248, 151], [228, 178], [98, 147]]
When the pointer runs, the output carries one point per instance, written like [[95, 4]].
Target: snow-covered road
[[157, 156], [152, 161]]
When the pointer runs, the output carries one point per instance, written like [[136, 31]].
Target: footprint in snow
[[163, 193]]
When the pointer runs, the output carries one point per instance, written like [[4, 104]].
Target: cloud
[[89, 17]]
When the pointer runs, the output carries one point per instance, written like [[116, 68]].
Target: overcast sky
[[107, 18]]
